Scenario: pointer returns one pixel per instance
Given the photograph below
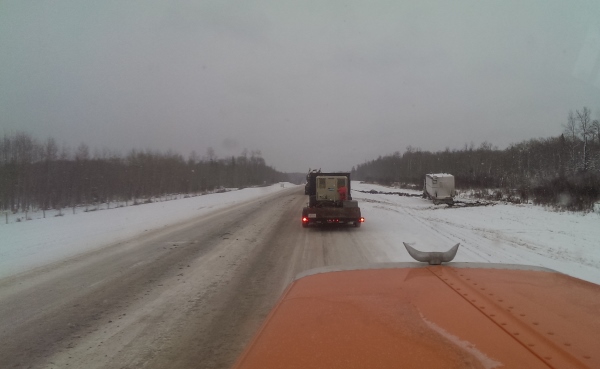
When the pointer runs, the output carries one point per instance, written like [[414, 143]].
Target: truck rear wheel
[[357, 223]]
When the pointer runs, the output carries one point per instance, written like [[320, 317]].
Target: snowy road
[[191, 294]]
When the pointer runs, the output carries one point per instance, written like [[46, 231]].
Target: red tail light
[[304, 219], [362, 220]]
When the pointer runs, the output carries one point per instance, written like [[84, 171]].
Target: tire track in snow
[[474, 247]]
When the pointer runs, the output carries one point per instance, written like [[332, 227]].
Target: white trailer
[[439, 187]]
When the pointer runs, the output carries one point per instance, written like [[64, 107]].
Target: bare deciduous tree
[[584, 128], [596, 129], [570, 130]]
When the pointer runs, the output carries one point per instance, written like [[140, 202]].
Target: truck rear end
[[330, 200], [349, 215]]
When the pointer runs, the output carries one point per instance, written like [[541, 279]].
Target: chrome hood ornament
[[432, 257]]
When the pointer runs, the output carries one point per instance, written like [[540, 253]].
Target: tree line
[[42, 175], [563, 171]]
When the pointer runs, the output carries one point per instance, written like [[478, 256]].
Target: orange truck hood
[[417, 316]]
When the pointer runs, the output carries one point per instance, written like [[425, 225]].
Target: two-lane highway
[[186, 296]]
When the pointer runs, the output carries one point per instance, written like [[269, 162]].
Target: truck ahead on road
[[439, 188], [330, 200]]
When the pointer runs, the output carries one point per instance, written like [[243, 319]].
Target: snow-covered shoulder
[[28, 244], [502, 233]]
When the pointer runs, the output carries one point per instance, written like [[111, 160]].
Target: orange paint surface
[[431, 317]]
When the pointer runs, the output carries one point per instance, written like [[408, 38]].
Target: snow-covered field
[[503, 233], [518, 234]]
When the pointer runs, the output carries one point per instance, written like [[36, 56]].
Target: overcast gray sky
[[326, 84]]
